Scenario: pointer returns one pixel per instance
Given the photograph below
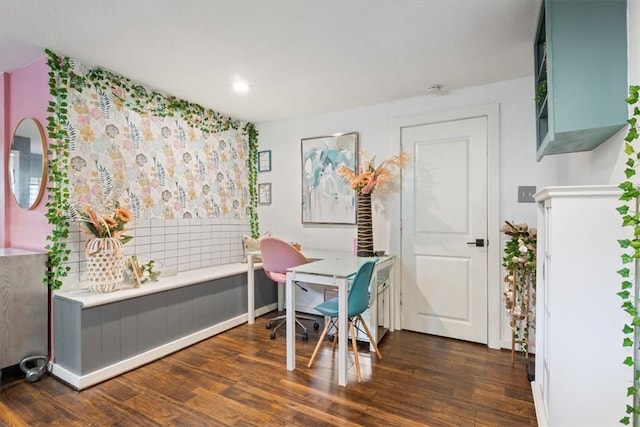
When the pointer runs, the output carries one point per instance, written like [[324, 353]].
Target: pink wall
[[4, 85], [26, 95]]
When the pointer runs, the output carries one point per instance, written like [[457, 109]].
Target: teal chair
[[357, 303]]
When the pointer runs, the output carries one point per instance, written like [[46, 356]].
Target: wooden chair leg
[[354, 343], [335, 340], [322, 336], [373, 342]]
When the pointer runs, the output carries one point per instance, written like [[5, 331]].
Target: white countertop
[[91, 299]]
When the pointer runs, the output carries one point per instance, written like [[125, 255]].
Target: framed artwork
[[264, 194], [135, 270], [326, 197], [264, 161]]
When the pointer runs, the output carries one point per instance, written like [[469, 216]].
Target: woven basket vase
[[105, 263], [365, 225]]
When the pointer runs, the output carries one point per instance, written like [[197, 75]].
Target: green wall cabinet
[[580, 74]]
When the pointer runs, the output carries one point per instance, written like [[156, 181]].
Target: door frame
[[494, 300]]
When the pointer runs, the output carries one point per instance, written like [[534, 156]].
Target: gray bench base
[[94, 342]]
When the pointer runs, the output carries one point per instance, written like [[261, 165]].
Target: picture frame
[[264, 193], [136, 271], [264, 161], [326, 197]]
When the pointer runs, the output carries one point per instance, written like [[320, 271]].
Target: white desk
[[331, 271], [314, 254]]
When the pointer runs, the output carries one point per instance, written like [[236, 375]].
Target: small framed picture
[[264, 161], [135, 270], [264, 194]]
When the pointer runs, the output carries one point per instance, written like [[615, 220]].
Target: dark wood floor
[[238, 378]]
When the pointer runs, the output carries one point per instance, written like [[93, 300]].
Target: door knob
[[477, 242]]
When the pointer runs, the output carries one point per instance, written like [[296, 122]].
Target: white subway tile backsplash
[[140, 232], [141, 223], [158, 223], [183, 244], [142, 240], [157, 239]]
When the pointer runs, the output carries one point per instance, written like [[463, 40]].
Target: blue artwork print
[[326, 196]]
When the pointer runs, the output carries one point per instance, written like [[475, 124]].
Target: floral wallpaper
[[160, 167]]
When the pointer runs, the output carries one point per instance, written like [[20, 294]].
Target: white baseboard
[[80, 382], [538, 402]]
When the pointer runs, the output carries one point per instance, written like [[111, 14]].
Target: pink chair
[[277, 256]]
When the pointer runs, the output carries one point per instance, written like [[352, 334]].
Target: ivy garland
[[144, 102], [630, 287], [519, 261], [58, 188]]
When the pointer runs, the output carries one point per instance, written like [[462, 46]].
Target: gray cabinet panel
[[174, 300], [110, 334], [152, 321], [91, 340], [129, 328], [86, 340], [66, 320], [23, 305]]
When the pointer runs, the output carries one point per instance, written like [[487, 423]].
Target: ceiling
[[298, 56]]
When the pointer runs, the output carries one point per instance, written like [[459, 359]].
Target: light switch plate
[[525, 194]]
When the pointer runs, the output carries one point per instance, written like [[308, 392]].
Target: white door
[[444, 211]]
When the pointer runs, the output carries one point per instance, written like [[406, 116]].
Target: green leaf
[[626, 259], [627, 329], [629, 172], [623, 294], [627, 342], [631, 391], [628, 149], [623, 210], [627, 284], [624, 243], [625, 420], [624, 272]]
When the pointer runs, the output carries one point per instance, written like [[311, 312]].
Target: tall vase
[[105, 262], [365, 226]]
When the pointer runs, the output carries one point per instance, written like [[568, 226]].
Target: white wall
[[603, 165], [375, 125]]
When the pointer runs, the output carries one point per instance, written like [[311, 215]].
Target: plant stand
[[520, 313]]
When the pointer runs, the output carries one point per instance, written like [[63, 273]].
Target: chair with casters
[[277, 256], [357, 303]]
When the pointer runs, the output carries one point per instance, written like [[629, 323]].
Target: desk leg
[[392, 297], [291, 322], [251, 309], [342, 331]]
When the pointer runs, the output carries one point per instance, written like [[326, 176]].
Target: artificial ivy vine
[[252, 132], [58, 189], [139, 99], [520, 263], [630, 287]]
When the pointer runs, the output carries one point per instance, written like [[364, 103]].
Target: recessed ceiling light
[[241, 87]]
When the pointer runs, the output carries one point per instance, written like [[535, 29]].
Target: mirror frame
[[45, 162]]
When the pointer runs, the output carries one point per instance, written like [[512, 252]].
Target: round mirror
[[27, 163]]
